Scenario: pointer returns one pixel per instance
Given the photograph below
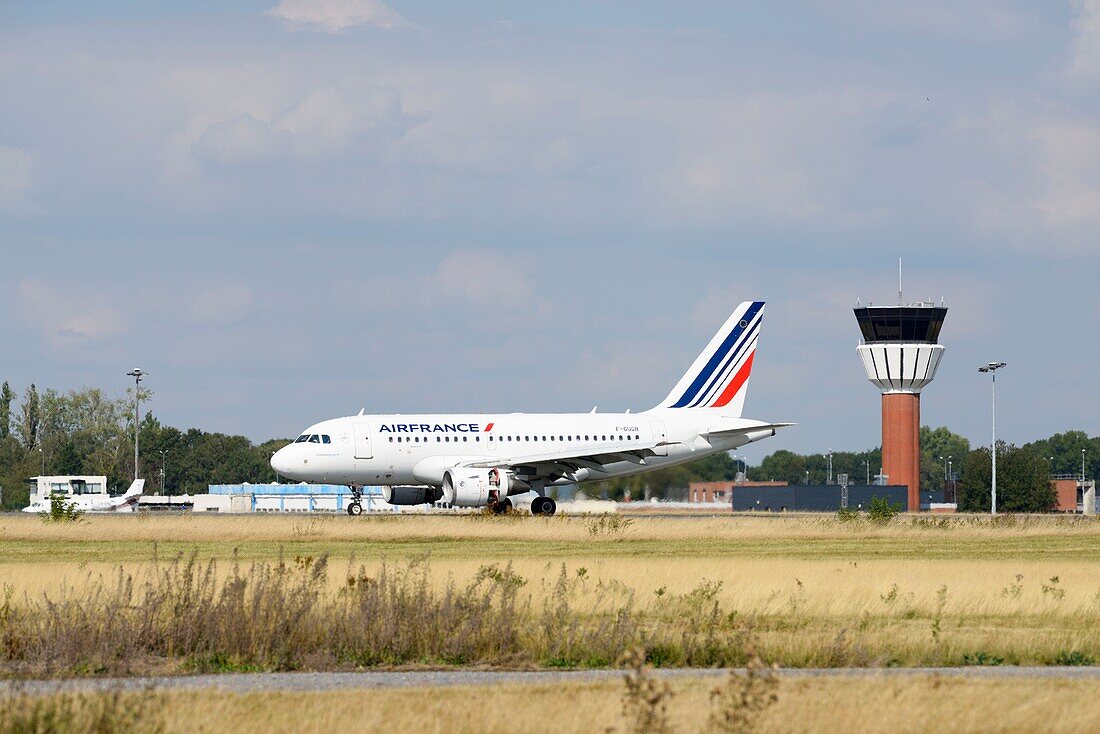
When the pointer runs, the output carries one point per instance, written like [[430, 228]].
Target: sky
[[289, 210]]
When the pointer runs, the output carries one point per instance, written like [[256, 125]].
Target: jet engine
[[411, 495], [478, 487]]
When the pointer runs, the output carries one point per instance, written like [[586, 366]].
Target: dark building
[[821, 497]]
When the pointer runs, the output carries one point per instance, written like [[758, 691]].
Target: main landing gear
[[543, 506]]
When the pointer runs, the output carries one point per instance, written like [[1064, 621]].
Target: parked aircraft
[[94, 502], [478, 460]]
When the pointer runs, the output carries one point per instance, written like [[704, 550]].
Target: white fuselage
[[418, 449]]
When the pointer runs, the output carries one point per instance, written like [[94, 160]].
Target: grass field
[[818, 705], [809, 590]]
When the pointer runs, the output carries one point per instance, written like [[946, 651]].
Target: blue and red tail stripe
[[729, 366]]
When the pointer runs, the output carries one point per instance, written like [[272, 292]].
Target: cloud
[[240, 140], [325, 123], [15, 169], [67, 315], [1084, 61], [1069, 161], [336, 16]]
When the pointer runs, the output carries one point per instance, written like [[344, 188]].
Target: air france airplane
[[481, 460]]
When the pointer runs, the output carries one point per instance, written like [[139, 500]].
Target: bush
[[881, 511], [847, 514], [61, 510]]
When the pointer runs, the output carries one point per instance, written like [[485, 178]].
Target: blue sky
[[293, 209]]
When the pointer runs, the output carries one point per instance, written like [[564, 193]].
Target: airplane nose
[[280, 462]]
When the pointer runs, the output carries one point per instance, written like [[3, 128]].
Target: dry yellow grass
[[815, 591], [262, 527], [816, 705]]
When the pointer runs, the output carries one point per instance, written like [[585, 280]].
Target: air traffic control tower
[[900, 353]]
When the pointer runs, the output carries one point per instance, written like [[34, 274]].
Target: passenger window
[[478, 439], [447, 439], [438, 439], [391, 439]]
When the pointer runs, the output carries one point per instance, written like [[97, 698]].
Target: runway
[[333, 681]]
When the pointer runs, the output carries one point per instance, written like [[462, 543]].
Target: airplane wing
[[564, 464]]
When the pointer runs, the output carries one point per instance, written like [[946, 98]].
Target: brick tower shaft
[[901, 442]]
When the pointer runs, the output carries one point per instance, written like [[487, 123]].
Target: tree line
[[87, 432]]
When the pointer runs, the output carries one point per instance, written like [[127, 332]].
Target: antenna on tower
[[899, 282]]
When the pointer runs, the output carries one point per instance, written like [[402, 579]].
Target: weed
[[847, 514], [736, 707], [1073, 657], [937, 617], [645, 700], [608, 524], [982, 658], [80, 713], [1013, 590], [891, 596], [1053, 590]]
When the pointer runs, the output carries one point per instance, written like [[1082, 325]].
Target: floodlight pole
[[137, 374], [992, 368]]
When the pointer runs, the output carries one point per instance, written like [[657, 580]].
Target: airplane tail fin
[[719, 377], [137, 487]]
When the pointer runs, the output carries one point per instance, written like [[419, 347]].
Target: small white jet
[[480, 460], [94, 502]]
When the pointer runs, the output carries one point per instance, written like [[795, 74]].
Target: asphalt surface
[[306, 682]]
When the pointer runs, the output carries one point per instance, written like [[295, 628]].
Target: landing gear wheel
[[543, 506], [502, 507], [355, 509]]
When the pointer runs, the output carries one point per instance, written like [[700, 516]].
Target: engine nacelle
[[411, 495], [478, 487]]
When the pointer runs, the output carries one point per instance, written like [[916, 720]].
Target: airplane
[[95, 502], [491, 460]]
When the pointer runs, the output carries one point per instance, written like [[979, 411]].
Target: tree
[[1065, 448], [6, 397], [936, 443], [1023, 481], [781, 466], [28, 427]]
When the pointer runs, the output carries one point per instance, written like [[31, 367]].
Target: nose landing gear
[[355, 507]]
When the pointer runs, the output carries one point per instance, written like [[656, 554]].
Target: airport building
[[271, 498], [900, 352]]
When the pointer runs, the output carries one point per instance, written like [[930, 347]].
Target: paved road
[[254, 682]]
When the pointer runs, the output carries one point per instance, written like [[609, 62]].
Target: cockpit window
[[315, 438], [302, 439], [326, 439]]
